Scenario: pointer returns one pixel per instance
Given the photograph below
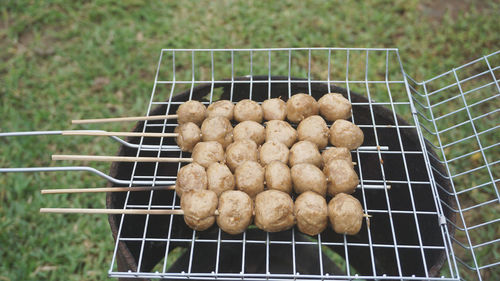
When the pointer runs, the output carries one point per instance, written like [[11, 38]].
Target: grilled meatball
[[345, 214], [199, 208], [219, 178], [235, 211], [341, 177], [334, 106], [239, 152], [336, 153], [274, 211], [250, 178], [280, 131], [248, 110], [274, 109], [189, 136], [273, 150], [311, 213], [305, 152], [307, 177], [250, 130], [217, 129], [315, 130], [189, 177], [278, 177], [346, 134], [222, 108], [191, 111], [301, 106], [206, 153]]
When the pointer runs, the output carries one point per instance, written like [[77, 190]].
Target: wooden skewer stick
[[124, 119], [114, 211], [119, 134], [105, 189], [119, 158]]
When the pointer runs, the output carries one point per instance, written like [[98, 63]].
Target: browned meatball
[[189, 136], [346, 134], [315, 130], [206, 153], [278, 177], [248, 110], [199, 208], [191, 111], [274, 211], [235, 211], [189, 177], [307, 177], [240, 151], [250, 178], [219, 178], [305, 152], [336, 153], [280, 131], [217, 129], [301, 106], [273, 150], [334, 106], [222, 108], [346, 214], [311, 213], [341, 177], [250, 130], [274, 109]]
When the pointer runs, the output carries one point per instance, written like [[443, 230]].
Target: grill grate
[[456, 112]]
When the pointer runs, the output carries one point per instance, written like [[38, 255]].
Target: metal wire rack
[[456, 109]]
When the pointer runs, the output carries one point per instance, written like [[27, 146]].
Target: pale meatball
[[189, 136], [248, 110], [219, 178], [315, 130], [222, 108], [217, 129], [191, 111], [271, 151], [346, 214], [239, 152], [189, 177], [278, 177], [346, 134], [335, 153], [341, 177], [334, 106], [199, 208], [305, 152], [307, 177], [274, 211], [274, 109], [281, 131], [250, 178], [235, 211], [301, 106], [311, 213], [206, 153], [250, 130]]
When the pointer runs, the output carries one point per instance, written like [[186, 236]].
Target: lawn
[[60, 61]]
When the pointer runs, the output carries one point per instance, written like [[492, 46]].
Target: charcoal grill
[[420, 228]]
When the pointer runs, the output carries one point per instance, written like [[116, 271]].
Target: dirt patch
[[435, 10]]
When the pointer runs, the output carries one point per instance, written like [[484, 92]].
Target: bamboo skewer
[[118, 134], [123, 119], [105, 189], [119, 158], [112, 211]]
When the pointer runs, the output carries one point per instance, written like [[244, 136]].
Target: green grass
[[62, 60]]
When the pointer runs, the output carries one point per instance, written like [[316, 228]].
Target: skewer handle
[[105, 189], [110, 211], [124, 119], [119, 158], [119, 134]]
